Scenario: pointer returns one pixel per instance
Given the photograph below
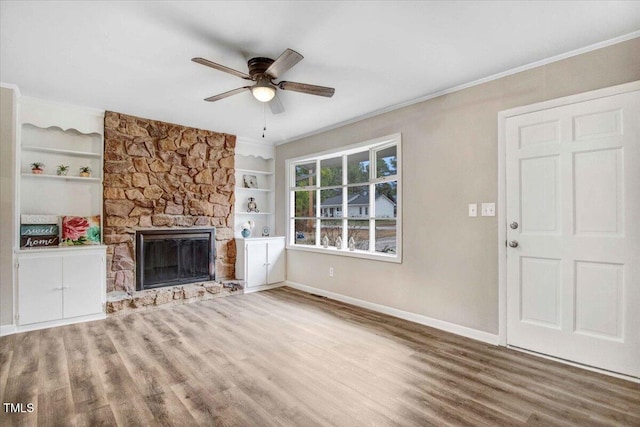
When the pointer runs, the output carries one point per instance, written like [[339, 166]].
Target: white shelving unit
[[260, 260], [254, 174], [60, 284]]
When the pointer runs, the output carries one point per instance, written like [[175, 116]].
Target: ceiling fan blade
[[285, 61], [276, 106], [221, 68], [307, 88], [227, 94]]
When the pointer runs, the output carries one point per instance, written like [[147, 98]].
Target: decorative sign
[[39, 230], [38, 241], [39, 219]]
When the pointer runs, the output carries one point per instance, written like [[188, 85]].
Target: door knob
[[513, 244], [513, 225]]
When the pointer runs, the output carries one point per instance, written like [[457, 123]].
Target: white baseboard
[[60, 322], [263, 288], [464, 331], [7, 330]]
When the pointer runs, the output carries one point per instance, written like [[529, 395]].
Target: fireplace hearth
[[169, 257]]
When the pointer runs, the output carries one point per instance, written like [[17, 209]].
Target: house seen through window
[[349, 196]]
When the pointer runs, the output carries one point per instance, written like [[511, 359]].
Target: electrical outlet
[[488, 209], [330, 271], [473, 209]]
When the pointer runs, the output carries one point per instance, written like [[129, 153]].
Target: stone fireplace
[[164, 176], [169, 257]]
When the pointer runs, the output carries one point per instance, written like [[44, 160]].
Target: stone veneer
[[159, 175]]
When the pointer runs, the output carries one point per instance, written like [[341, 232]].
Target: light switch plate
[[473, 209], [488, 209]]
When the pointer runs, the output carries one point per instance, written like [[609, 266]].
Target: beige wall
[[450, 261], [7, 123]]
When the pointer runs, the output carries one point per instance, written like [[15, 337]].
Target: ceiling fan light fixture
[[263, 91]]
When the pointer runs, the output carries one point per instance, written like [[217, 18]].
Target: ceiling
[[134, 57]]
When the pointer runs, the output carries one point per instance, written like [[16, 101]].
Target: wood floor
[[283, 357]]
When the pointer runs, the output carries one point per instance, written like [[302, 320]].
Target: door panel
[[539, 133], [599, 304], [40, 290], [541, 290], [83, 275], [256, 259], [540, 181], [599, 124], [573, 187], [599, 202], [276, 261]]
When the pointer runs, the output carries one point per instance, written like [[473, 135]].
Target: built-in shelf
[[257, 172], [253, 213], [61, 151], [58, 135], [255, 184], [60, 177], [267, 190]]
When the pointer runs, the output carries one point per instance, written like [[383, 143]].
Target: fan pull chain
[[264, 116]]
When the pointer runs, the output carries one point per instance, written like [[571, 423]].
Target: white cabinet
[[58, 287], [260, 261], [40, 291]]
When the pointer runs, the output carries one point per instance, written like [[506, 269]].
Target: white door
[[275, 261], [39, 289], [573, 188], [83, 277], [256, 264]]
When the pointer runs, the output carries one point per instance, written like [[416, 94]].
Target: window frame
[[372, 147]]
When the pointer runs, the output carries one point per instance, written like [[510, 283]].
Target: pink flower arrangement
[[74, 227]]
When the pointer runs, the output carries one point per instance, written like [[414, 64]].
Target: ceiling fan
[[264, 71]]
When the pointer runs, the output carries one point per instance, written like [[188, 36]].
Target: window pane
[[331, 203], [359, 230], [358, 167], [386, 199], [331, 229], [306, 174], [386, 162], [305, 203], [386, 239], [331, 172], [358, 201], [305, 231]]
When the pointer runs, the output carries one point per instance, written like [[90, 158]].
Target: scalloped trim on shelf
[[63, 129], [251, 148]]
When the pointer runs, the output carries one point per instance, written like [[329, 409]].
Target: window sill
[[397, 259]]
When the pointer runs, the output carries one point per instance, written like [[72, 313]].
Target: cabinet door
[[255, 264], [39, 289], [83, 277], [275, 261]]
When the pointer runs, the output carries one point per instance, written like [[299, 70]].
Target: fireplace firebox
[[168, 257]]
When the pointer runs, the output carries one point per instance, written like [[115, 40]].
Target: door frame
[[502, 195]]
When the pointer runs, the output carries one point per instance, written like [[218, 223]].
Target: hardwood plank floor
[[286, 358]]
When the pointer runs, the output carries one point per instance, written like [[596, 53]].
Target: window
[[353, 194]]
